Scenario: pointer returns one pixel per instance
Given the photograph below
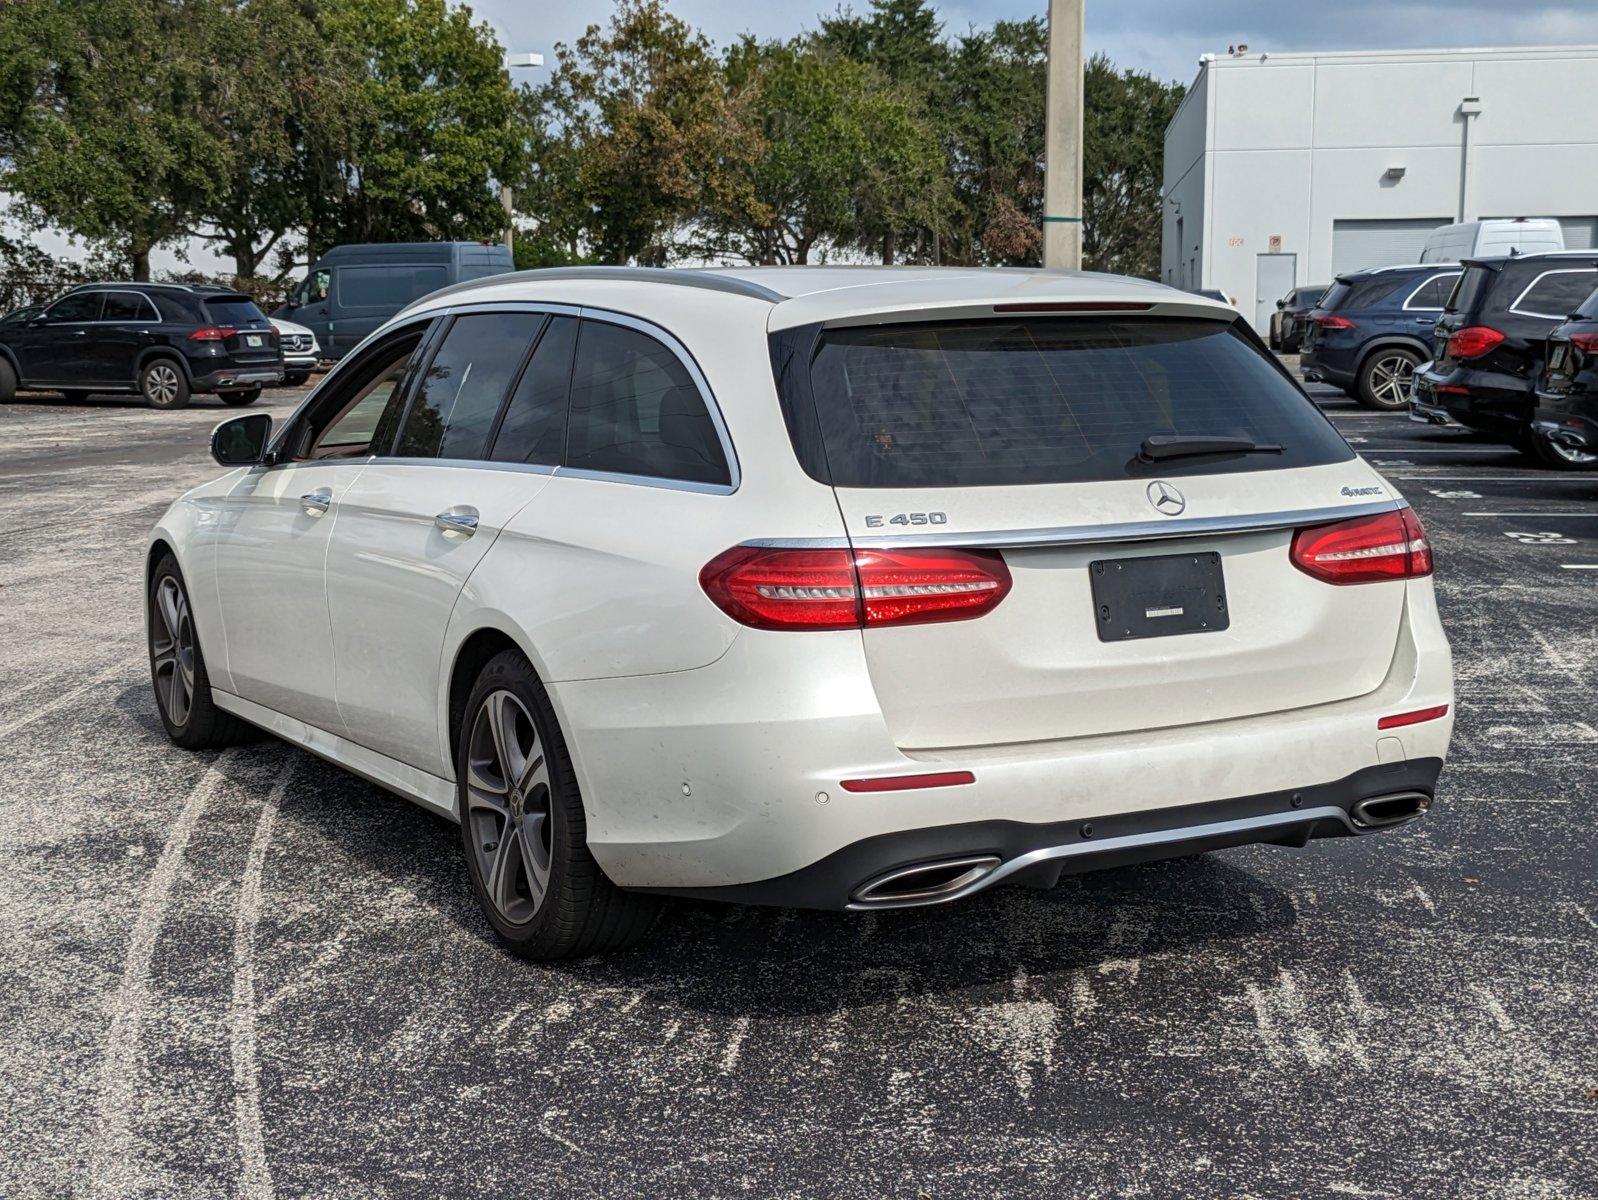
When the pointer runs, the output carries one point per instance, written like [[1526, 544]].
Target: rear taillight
[[213, 333], [1585, 341], [1472, 341], [1327, 321], [1390, 545], [853, 589]]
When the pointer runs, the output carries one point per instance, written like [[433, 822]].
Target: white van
[[1484, 239]]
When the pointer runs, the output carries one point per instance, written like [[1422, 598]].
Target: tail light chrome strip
[[1076, 535]]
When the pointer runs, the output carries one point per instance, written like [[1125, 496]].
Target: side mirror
[[1281, 304], [242, 441]]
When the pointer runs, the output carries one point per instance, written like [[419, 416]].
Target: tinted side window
[[387, 287], [636, 410], [1472, 286], [534, 426], [80, 306], [127, 306], [360, 414], [1557, 293], [464, 384], [1433, 292]]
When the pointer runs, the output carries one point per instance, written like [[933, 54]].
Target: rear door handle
[[318, 502], [461, 521]]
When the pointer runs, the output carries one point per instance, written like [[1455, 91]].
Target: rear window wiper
[[1174, 445]]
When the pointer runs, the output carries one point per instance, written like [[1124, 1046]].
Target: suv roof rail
[[676, 277]]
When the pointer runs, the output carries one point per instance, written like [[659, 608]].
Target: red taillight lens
[[1389, 545], [1472, 341], [1327, 321], [844, 589], [212, 333], [1585, 341], [1399, 720]]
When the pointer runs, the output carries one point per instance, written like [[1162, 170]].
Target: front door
[[419, 521], [55, 347], [1274, 277]]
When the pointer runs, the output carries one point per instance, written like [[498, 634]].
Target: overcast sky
[[1164, 37]]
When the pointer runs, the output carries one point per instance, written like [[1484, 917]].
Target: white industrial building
[[1287, 169]]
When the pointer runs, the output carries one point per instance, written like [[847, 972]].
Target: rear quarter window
[[1556, 293], [1061, 400]]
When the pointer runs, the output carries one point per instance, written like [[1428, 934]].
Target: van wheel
[[1385, 379], [163, 384], [8, 381], [240, 399], [523, 827], [1549, 453]]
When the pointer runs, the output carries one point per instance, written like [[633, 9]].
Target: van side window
[[387, 287], [636, 410], [464, 384], [533, 429]]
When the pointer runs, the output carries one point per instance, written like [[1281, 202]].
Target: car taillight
[[1327, 321], [1585, 341], [1390, 545], [212, 333], [853, 589], [1472, 341]]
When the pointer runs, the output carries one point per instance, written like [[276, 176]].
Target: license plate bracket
[[1157, 597]]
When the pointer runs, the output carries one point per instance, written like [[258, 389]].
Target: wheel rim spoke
[[535, 857], [172, 653], [507, 807]]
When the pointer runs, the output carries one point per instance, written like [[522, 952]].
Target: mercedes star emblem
[[1166, 498]]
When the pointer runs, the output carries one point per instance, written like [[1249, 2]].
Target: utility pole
[[1062, 138], [512, 62]]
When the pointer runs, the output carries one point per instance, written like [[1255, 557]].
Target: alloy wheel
[[1391, 380], [508, 806], [1571, 454], [172, 651], [161, 384]]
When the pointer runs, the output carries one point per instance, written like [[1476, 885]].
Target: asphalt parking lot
[[249, 974]]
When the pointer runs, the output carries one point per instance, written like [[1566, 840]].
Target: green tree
[[636, 138], [1125, 116], [431, 126], [115, 145]]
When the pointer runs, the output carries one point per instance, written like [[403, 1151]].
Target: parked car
[[301, 352], [19, 316], [1291, 310], [353, 289], [1491, 340], [1371, 329], [165, 341], [1492, 238], [1214, 294], [1566, 418], [837, 587]]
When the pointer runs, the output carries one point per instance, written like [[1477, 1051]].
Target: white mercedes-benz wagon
[[837, 587]]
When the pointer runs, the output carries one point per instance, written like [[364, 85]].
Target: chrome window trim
[[1526, 312], [650, 481], [1408, 307], [1080, 535], [468, 464]]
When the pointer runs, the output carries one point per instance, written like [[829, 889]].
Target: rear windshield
[[1471, 289], [1350, 294], [1047, 400], [233, 310], [1334, 296]]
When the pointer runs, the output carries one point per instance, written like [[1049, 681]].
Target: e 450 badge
[[877, 520]]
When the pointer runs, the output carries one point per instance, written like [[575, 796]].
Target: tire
[[177, 667], [297, 379], [1561, 458], [240, 399], [163, 384], [8, 380], [1385, 379], [539, 887]]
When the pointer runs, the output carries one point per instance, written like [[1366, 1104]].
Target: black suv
[[162, 340], [1566, 421], [1371, 329], [1492, 339]]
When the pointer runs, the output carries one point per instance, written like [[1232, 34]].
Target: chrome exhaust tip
[[1376, 812], [924, 883]]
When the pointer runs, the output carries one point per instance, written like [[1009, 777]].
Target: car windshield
[[1049, 400], [233, 310]]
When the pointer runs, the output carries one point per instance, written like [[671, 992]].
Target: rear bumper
[[1570, 418], [917, 868], [1478, 399], [238, 378], [725, 780], [1318, 365]]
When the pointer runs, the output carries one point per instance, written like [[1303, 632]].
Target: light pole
[[512, 63], [1062, 138]]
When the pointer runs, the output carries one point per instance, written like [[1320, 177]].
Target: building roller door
[[1360, 244], [1581, 233]]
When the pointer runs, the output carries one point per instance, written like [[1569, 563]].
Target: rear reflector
[[853, 589], [1412, 718], [1390, 545], [1073, 306], [905, 783]]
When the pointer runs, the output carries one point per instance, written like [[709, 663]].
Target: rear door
[[425, 512], [128, 322], [1025, 436]]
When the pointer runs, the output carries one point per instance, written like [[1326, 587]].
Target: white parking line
[[1578, 566], [1592, 516]]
